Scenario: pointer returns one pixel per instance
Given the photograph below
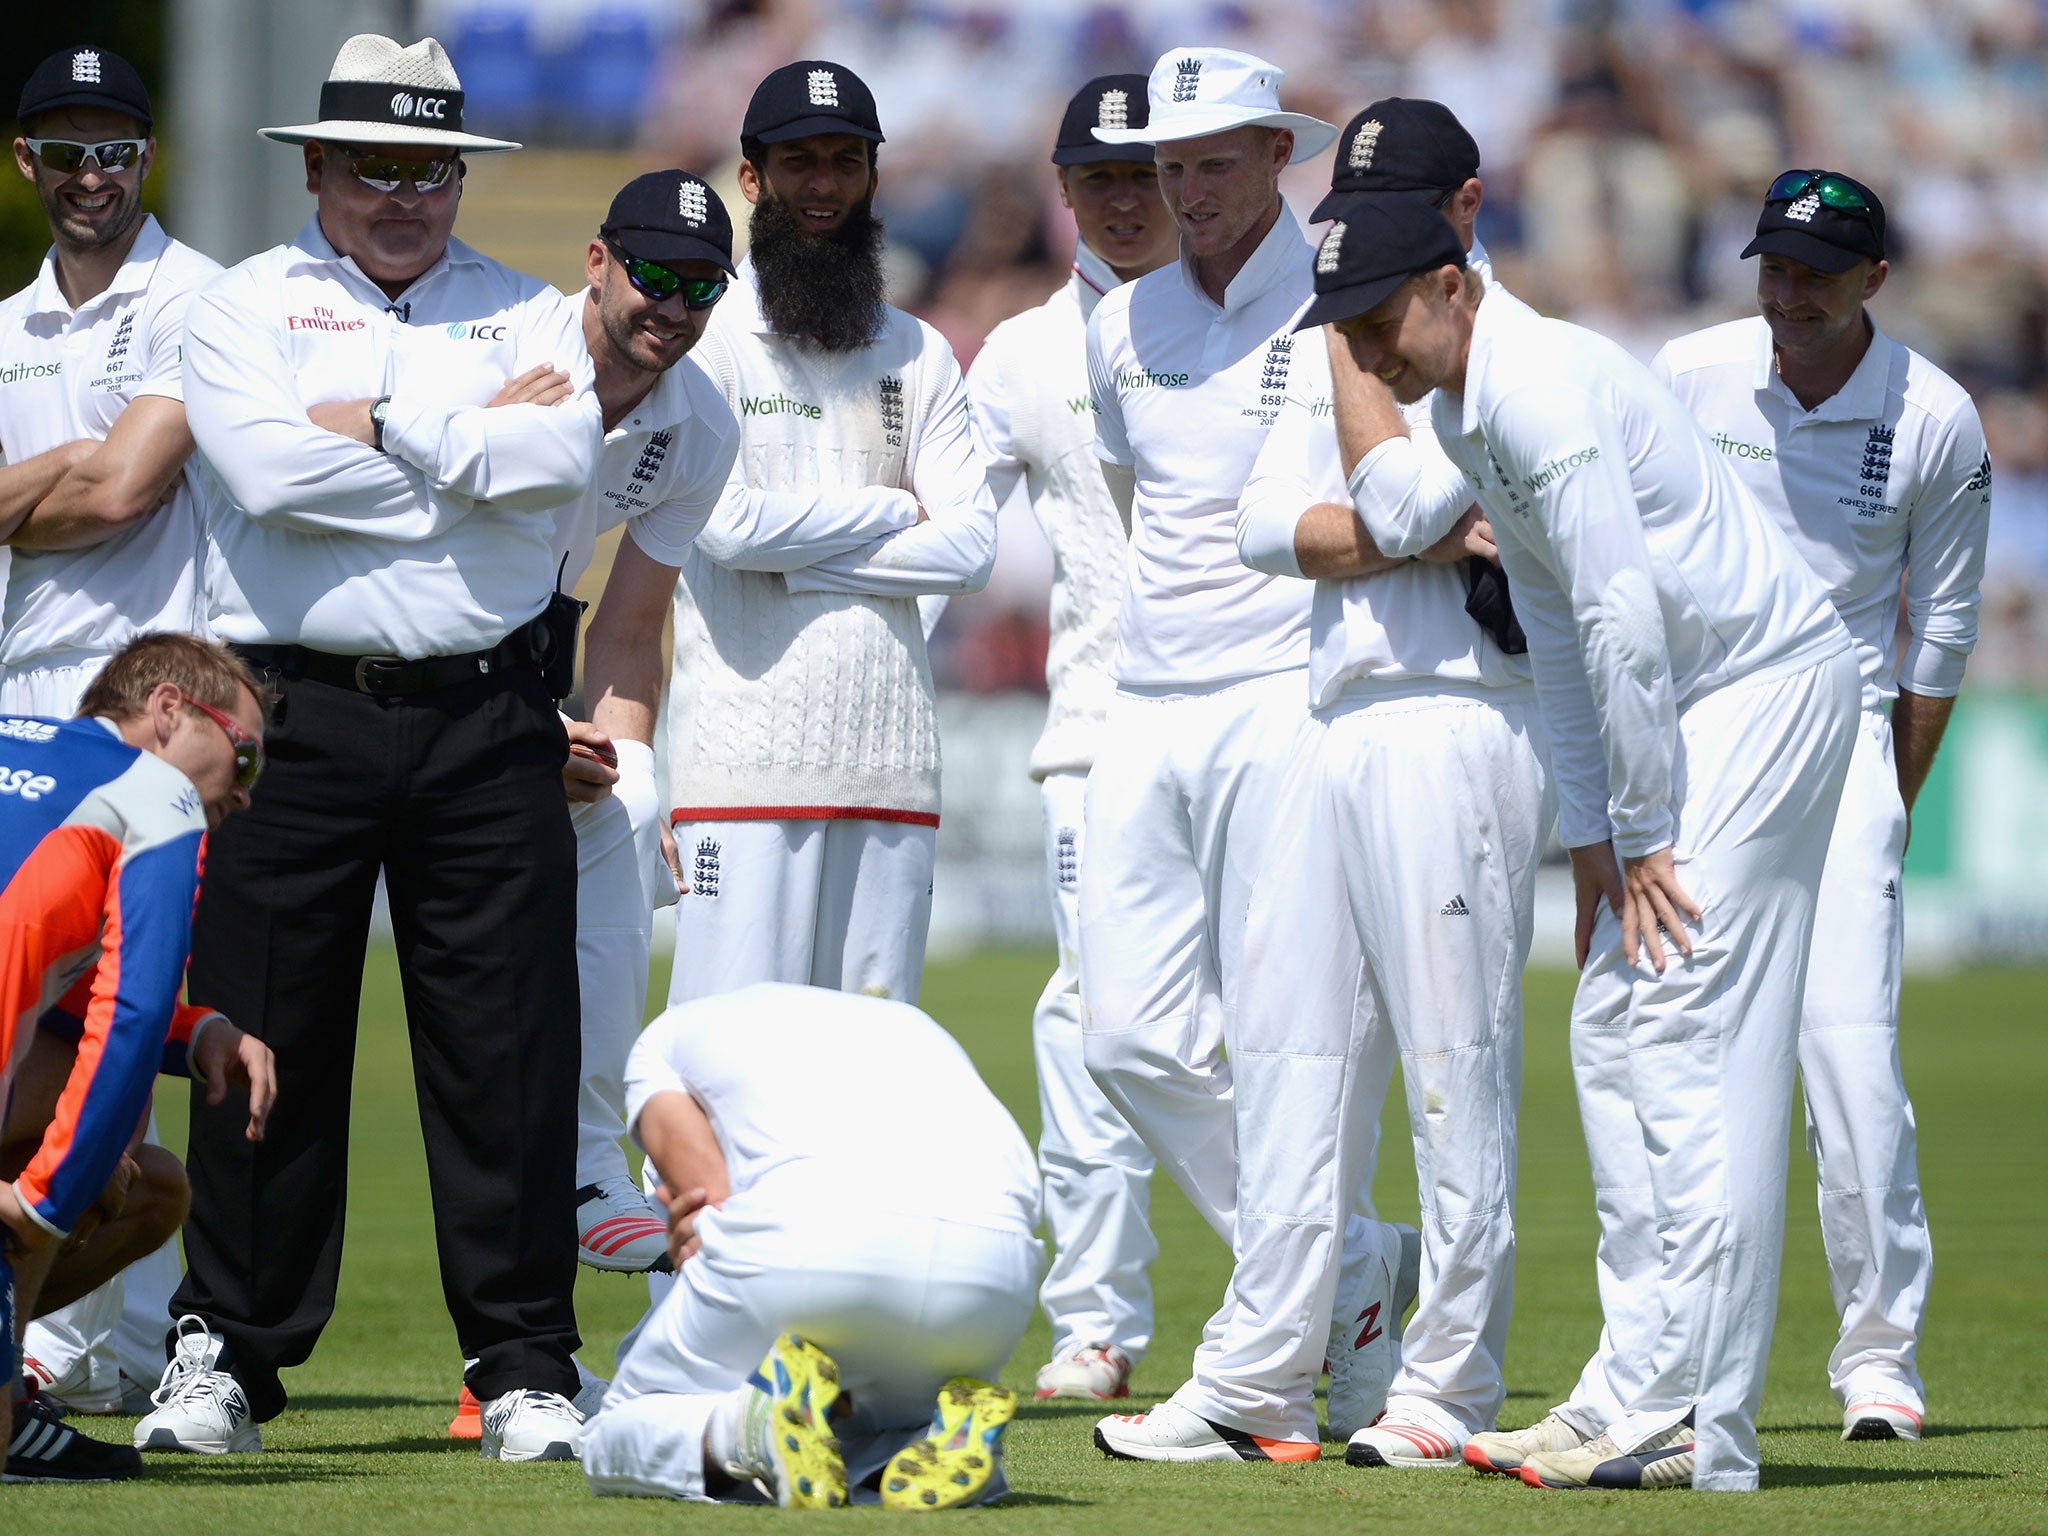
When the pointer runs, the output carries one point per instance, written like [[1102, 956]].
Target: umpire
[[389, 419]]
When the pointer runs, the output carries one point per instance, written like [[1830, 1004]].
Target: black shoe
[[47, 1450]]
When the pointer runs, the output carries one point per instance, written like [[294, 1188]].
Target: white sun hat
[[1197, 91], [380, 93]]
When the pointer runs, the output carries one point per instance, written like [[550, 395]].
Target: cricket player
[[1700, 698], [1187, 369], [1409, 826], [105, 825], [803, 736], [852, 1214], [101, 518], [1872, 462], [1029, 392]]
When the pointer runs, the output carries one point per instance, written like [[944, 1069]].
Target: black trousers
[[457, 797]]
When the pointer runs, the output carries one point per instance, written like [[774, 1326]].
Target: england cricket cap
[[1194, 92], [1401, 144], [1379, 241], [85, 77], [1108, 101], [670, 216], [809, 97], [1821, 218]]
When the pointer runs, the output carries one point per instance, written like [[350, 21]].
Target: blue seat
[[602, 80], [501, 72]]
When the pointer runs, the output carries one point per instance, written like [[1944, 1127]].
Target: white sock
[[726, 1438]]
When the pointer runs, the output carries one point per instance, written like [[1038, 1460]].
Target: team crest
[[650, 461], [1802, 212], [824, 88], [1331, 248], [85, 67], [1067, 854], [1113, 111], [691, 206], [1363, 144], [1187, 74], [1877, 459], [704, 868]]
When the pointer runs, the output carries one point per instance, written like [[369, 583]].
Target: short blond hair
[[200, 669]]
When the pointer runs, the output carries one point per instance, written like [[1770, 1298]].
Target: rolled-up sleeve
[[1945, 562], [1408, 492]]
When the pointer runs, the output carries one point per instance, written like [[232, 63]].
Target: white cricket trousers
[[119, 1328], [1097, 1173], [1685, 1079], [1859, 1122], [618, 865], [901, 1303], [1181, 801], [1394, 910], [824, 902]]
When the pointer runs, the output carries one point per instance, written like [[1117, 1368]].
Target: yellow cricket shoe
[[961, 1461]]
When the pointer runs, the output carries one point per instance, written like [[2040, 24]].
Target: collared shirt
[[100, 850], [661, 471], [440, 545], [1884, 485], [1185, 391], [1402, 626], [812, 1091], [1033, 423], [1645, 575], [66, 375]]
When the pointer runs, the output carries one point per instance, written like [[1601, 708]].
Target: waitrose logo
[[1145, 378], [779, 405], [14, 373], [1558, 468]]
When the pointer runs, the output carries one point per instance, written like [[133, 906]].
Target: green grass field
[[361, 1447]]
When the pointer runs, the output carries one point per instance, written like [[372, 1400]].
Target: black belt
[[394, 677]]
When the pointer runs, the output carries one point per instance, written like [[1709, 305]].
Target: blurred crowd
[[1625, 144]]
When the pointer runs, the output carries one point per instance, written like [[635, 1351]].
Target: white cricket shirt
[[801, 686], [1033, 422], [1185, 391], [661, 471], [1885, 484], [1645, 575], [834, 1094], [67, 375], [441, 544], [1393, 629]]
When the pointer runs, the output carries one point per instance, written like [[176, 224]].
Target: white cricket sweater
[[801, 687], [1033, 422]]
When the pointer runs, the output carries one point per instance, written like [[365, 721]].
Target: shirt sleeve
[[1565, 449], [146, 939], [649, 1070], [1408, 492], [1278, 492], [1945, 562], [666, 530], [988, 399], [163, 369], [1112, 443], [243, 406], [525, 458], [954, 549]]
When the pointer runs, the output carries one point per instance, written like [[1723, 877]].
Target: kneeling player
[[851, 1214]]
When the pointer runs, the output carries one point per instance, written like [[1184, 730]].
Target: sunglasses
[[385, 173], [68, 158], [248, 750], [659, 282], [1834, 191]]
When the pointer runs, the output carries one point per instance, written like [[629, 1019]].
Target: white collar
[[1862, 395], [312, 245], [133, 277], [1284, 252]]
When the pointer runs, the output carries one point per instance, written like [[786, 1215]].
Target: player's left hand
[[225, 1054], [1651, 906], [682, 1209], [1596, 877]]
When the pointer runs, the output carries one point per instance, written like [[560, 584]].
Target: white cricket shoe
[[1403, 1443], [1173, 1433], [619, 1229], [524, 1425], [1374, 1291], [1099, 1372], [73, 1390], [1663, 1461], [1879, 1418], [199, 1408], [1504, 1450]]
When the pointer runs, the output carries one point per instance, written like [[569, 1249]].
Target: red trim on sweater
[[800, 813]]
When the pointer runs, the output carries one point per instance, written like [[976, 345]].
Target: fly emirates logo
[[323, 319]]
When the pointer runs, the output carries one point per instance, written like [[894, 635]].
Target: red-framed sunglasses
[[248, 750]]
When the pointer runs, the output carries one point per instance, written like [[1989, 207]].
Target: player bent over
[[1700, 698], [851, 1220], [105, 831]]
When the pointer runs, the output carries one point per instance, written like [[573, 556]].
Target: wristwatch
[[379, 409]]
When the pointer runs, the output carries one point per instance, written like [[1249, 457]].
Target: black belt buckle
[[368, 679]]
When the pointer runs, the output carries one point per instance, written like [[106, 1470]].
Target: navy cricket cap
[[670, 216], [1378, 242], [1824, 219], [1401, 144], [1108, 101], [85, 77], [809, 97]]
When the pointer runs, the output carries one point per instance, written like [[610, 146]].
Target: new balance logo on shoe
[[1455, 907], [1370, 1329]]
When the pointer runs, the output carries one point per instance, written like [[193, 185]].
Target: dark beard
[[827, 288]]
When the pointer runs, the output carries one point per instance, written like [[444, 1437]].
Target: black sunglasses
[[1835, 192], [661, 283]]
